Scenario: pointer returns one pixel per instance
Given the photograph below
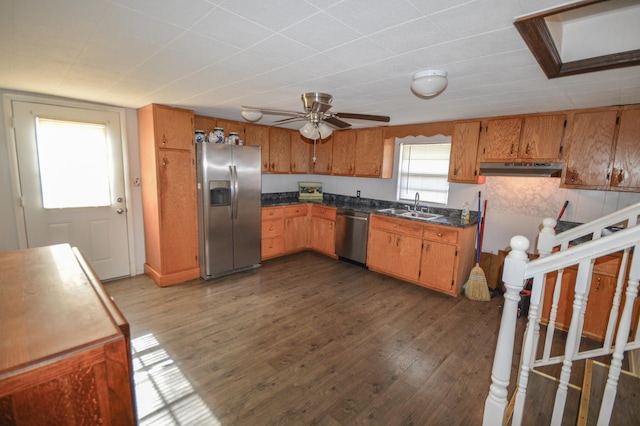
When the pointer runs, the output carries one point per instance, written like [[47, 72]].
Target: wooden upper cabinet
[[258, 135], [343, 152], [464, 150], [372, 153], [279, 150], [173, 127], [542, 137], [625, 174], [323, 157], [589, 150], [300, 153], [204, 123], [501, 139], [231, 126]]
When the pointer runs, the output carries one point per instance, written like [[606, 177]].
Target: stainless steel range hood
[[521, 169]]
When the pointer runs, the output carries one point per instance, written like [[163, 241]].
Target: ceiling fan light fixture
[[310, 131], [325, 131], [251, 114], [429, 83]]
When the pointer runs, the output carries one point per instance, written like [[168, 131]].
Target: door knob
[[120, 211]]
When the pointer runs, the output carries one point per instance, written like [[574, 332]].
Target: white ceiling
[[215, 55]]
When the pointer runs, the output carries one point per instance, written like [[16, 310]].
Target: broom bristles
[[476, 287]]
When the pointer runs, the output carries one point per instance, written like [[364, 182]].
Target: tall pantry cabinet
[[167, 162]]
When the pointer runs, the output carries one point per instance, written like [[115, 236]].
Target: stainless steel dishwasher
[[352, 230]]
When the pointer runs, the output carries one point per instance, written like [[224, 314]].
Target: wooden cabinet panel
[[272, 247], [178, 223], [590, 148], [501, 139], [173, 127], [257, 135], [168, 194], [231, 126], [626, 166], [343, 152], [398, 226], [323, 212], [440, 234], [272, 228], [272, 240], [204, 123], [395, 254], [296, 233], [438, 265], [300, 153], [272, 213], [374, 154], [279, 150], [322, 235], [542, 137], [296, 210], [463, 165], [323, 157]]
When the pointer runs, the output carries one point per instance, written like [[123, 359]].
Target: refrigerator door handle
[[235, 192], [232, 189]]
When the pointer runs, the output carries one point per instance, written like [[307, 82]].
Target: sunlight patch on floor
[[163, 394]]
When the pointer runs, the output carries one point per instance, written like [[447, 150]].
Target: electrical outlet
[[358, 193]]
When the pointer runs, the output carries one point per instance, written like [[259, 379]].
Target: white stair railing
[[517, 269]]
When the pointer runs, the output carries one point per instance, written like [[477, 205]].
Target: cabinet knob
[[511, 152], [440, 234], [598, 281]]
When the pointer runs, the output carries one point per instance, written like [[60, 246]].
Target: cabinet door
[[542, 137], [300, 153], [599, 304], [437, 265], [204, 123], [380, 252], [322, 235], [279, 150], [626, 165], [407, 262], [501, 139], [343, 153], [369, 152], [295, 234], [395, 254], [464, 150], [178, 211], [590, 149], [563, 315], [257, 135], [321, 156], [173, 127]]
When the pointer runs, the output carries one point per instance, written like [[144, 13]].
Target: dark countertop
[[450, 217]]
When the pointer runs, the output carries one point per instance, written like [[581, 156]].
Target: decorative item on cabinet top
[[310, 191]]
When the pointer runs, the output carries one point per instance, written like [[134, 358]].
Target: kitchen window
[[424, 169]]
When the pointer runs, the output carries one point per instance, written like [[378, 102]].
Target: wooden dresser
[[65, 353]]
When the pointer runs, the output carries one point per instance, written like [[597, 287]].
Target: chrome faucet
[[416, 201]]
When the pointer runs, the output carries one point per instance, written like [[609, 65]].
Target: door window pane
[[74, 164]]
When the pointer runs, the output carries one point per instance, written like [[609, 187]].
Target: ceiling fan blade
[[336, 122], [362, 116], [273, 111], [288, 120], [317, 106]]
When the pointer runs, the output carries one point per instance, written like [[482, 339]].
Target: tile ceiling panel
[[215, 55]]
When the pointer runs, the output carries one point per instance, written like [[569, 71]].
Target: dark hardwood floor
[[305, 340]]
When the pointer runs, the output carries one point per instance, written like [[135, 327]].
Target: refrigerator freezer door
[[247, 164]]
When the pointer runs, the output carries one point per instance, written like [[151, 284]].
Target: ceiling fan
[[316, 112]]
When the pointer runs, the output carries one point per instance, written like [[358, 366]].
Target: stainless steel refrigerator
[[229, 208]]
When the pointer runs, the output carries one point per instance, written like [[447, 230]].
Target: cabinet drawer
[[272, 246], [296, 210], [399, 226], [272, 212], [437, 233], [323, 212], [271, 228]]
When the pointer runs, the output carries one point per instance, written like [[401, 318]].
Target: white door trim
[[15, 175]]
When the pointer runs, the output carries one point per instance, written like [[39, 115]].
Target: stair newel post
[[513, 277], [545, 236], [622, 335]]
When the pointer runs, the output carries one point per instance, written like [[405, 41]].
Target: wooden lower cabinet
[[272, 232], [599, 301], [322, 226], [65, 352], [296, 228], [433, 256]]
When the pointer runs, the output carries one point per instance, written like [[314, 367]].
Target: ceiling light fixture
[[430, 83], [251, 114], [315, 131]]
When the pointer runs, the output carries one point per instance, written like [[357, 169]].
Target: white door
[[72, 182]]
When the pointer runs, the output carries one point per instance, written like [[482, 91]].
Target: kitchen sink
[[394, 211], [420, 215]]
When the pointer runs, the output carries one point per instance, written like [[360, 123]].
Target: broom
[[476, 287]]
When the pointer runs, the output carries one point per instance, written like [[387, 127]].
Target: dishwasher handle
[[348, 216]]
